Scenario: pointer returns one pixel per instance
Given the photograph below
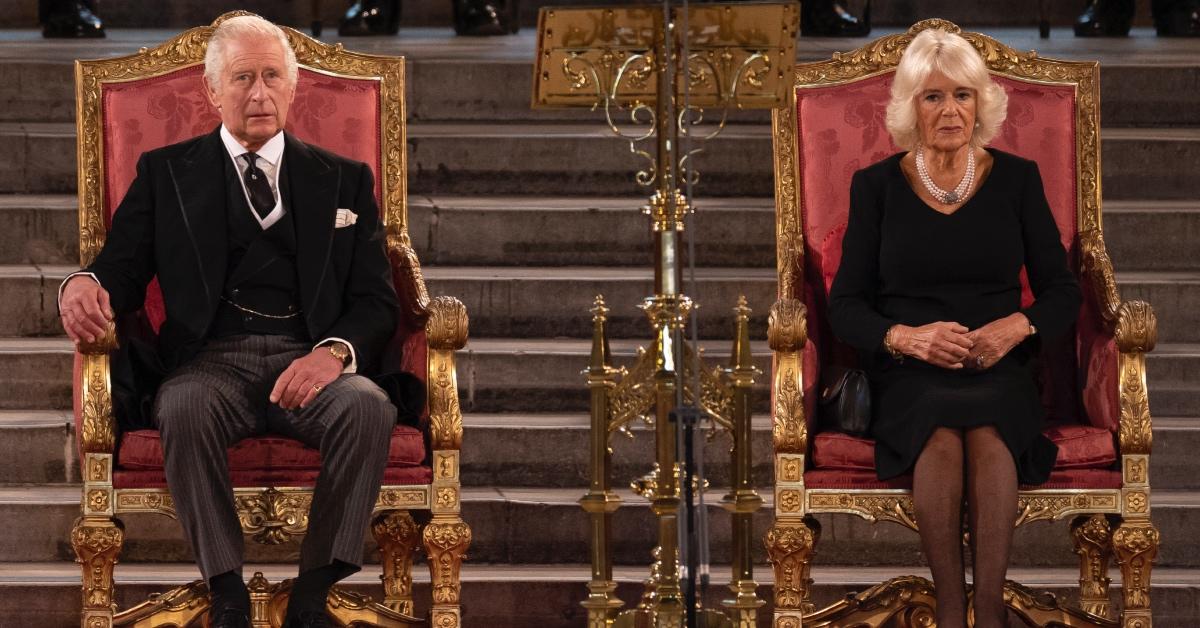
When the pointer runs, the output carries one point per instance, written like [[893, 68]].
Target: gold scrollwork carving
[[97, 545], [1137, 327], [445, 414], [447, 498], [901, 601], [1053, 506], [274, 517], [146, 500], [787, 325], [414, 296], [790, 468], [446, 544], [1097, 269], [1093, 544], [790, 547], [447, 324], [789, 432], [397, 535], [1136, 546], [895, 507], [1135, 433], [98, 500], [1135, 470], [391, 497], [97, 468], [99, 428]]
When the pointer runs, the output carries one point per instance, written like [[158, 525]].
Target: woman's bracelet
[[891, 348]]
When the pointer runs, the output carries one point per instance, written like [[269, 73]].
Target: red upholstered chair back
[[840, 129], [340, 114]]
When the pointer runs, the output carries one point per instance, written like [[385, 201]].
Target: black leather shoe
[[1177, 18], [371, 17], [1105, 18], [310, 619], [828, 18], [230, 618], [480, 18], [69, 19]]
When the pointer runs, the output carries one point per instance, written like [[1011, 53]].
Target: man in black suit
[[269, 253]]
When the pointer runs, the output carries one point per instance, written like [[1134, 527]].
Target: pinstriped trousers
[[221, 397]]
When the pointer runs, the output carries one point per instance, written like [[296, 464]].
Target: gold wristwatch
[[340, 351]]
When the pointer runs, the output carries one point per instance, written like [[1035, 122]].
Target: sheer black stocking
[[992, 509], [937, 498]]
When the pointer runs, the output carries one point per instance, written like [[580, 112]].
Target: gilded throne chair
[[1093, 384], [352, 104]]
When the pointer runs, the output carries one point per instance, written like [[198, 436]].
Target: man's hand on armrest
[[84, 309]]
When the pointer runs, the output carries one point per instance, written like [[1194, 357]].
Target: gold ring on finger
[[317, 388]]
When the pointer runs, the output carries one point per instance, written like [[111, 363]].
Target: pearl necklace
[[947, 197]]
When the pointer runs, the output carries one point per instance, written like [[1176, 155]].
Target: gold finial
[[742, 309], [599, 310]]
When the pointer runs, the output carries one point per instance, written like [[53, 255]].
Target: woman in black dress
[[928, 291]]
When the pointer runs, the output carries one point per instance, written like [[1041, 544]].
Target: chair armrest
[[95, 424], [409, 282], [1134, 328], [787, 333], [446, 332]]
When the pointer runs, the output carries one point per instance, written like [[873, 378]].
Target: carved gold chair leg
[[398, 536], [97, 542], [446, 540], [1136, 546], [791, 544], [1093, 543]]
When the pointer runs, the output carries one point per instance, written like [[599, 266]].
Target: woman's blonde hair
[[955, 57]]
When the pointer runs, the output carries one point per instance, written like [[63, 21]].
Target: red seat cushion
[[141, 450], [1079, 447], [866, 480]]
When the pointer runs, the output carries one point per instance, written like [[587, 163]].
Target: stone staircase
[[525, 216]]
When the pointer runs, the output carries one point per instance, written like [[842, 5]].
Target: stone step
[[38, 446], [546, 525], [534, 374], [600, 231], [509, 301], [39, 229], [528, 158], [46, 595]]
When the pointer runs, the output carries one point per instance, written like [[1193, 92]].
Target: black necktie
[[261, 196]]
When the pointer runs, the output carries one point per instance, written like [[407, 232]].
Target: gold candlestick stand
[[630, 60]]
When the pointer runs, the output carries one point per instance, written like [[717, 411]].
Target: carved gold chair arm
[[446, 331], [787, 333], [414, 298], [1136, 327], [98, 427], [1097, 270]]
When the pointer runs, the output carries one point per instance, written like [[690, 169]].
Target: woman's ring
[[979, 361], [317, 388]]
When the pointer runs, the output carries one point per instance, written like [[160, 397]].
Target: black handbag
[[845, 401]]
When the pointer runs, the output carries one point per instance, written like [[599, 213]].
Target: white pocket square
[[344, 218]]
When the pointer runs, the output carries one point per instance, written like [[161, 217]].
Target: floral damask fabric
[[338, 114]]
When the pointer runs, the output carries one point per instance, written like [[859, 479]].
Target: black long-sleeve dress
[[904, 262]]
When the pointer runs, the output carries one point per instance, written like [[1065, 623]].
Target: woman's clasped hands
[[951, 345]]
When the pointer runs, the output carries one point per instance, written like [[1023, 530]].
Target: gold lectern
[[663, 65]]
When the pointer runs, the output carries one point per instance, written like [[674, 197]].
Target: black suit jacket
[[172, 224]]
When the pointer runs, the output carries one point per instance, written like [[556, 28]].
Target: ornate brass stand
[[663, 65]]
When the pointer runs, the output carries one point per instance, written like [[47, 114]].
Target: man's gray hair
[[244, 27]]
